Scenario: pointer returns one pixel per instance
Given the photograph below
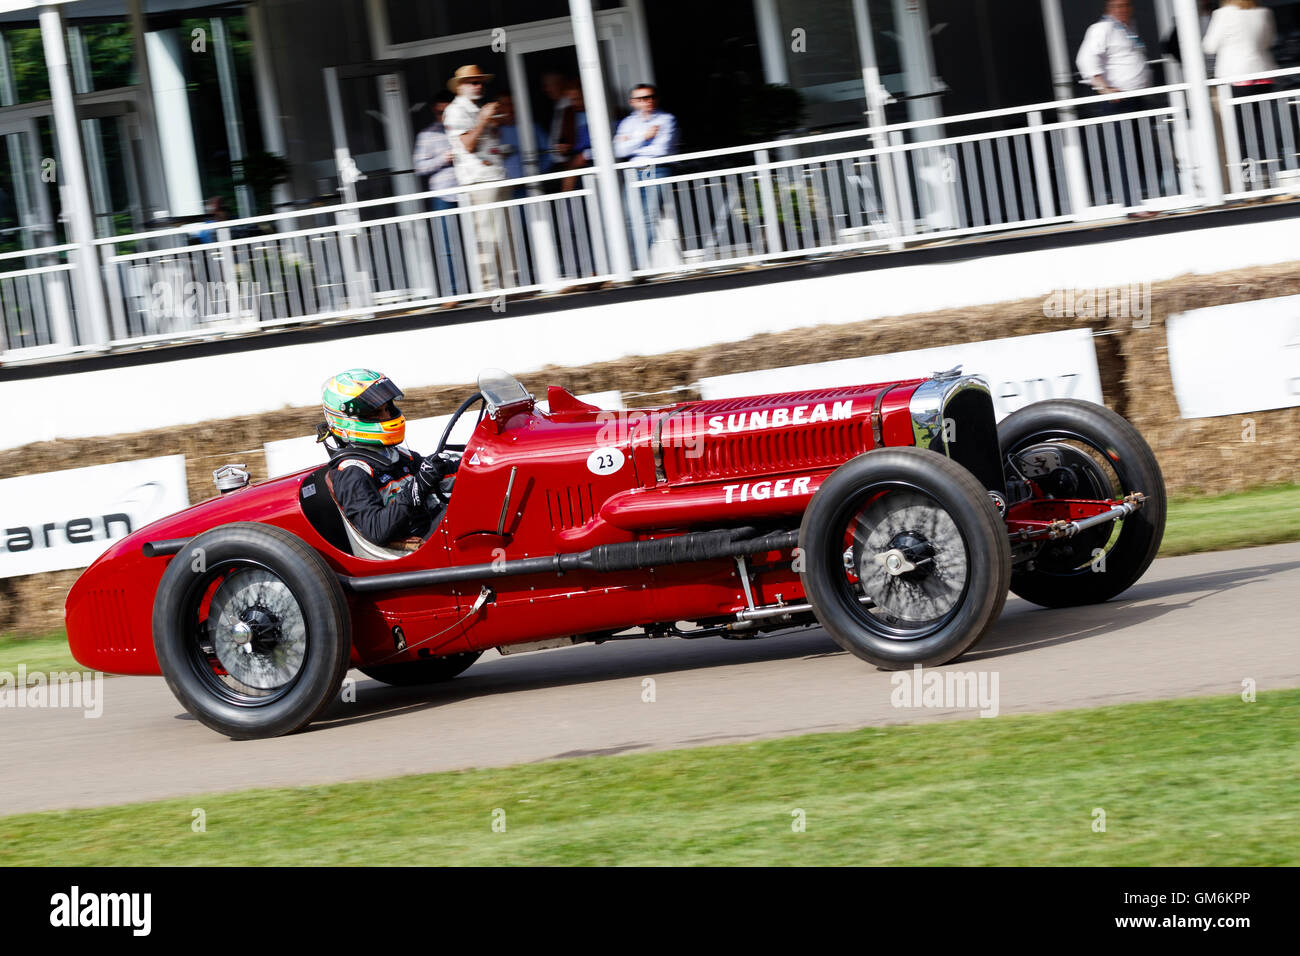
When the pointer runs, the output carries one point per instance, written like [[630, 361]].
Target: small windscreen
[[501, 388]]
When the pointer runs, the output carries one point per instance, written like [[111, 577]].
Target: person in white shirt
[[1241, 38], [1113, 59], [646, 136], [478, 158], [1241, 35]]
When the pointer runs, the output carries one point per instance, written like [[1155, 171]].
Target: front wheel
[[906, 558], [251, 630], [1074, 449]]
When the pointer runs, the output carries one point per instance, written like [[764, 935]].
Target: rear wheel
[[433, 670], [1075, 449], [251, 630], [906, 558]]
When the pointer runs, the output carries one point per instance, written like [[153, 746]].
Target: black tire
[[1063, 574], [969, 566], [432, 670], [271, 648]]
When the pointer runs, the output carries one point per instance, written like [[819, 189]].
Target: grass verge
[[1243, 520], [46, 653], [1203, 781]]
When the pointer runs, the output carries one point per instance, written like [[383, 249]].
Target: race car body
[[896, 515]]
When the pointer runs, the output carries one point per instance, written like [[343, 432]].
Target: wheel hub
[[911, 559], [257, 629], [909, 552]]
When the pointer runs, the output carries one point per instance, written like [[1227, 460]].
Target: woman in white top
[[1241, 35]]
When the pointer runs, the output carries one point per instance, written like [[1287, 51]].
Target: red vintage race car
[[897, 516]]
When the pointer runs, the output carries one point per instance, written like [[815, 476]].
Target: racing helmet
[[361, 407]]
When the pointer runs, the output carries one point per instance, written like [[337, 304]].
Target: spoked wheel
[[1073, 449], [251, 630], [907, 560]]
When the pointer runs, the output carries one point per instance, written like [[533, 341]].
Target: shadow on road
[[1023, 627]]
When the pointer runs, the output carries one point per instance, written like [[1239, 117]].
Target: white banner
[[66, 519], [1020, 371], [422, 435], [1237, 358]]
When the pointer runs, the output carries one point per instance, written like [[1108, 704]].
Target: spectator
[[434, 157], [511, 145], [579, 148], [1241, 38], [645, 136], [1113, 59], [477, 158], [435, 163], [214, 212], [556, 86]]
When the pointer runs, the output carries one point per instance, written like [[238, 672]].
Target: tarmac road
[[1194, 625]]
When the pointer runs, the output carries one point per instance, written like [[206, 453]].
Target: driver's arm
[[362, 505]]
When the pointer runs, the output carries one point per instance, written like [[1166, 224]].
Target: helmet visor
[[370, 404], [385, 414]]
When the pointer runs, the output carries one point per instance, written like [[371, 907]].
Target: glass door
[[371, 125]]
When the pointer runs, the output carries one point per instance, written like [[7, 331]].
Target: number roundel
[[605, 461]]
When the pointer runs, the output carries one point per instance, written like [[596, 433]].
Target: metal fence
[[37, 317], [877, 188], [1260, 125], [407, 252]]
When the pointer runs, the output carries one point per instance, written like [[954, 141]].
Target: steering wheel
[[445, 444]]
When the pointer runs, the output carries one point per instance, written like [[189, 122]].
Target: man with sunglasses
[[645, 137], [385, 491]]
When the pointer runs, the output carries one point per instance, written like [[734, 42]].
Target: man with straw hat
[[478, 158]]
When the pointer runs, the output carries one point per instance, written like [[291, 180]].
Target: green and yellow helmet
[[361, 407]]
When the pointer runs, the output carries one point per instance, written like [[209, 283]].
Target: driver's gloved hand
[[430, 474], [449, 463]]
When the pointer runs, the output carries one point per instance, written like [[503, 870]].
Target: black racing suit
[[379, 496]]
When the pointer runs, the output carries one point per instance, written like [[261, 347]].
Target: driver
[[386, 491]]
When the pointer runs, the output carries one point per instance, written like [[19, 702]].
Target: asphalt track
[[1195, 625]]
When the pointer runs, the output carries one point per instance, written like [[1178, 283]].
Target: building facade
[[265, 148]]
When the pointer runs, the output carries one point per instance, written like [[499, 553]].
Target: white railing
[[353, 259], [884, 187], [36, 302], [923, 179], [1260, 121]]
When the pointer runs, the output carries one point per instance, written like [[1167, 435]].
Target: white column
[[268, 94], [1205, 140], [155, 182], [771, 42], [912, 21], [92, 317], [602, 137], [231, 112], [877, 99], [640, 40], [172, 107], [1076, 177], [1164, 24]]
